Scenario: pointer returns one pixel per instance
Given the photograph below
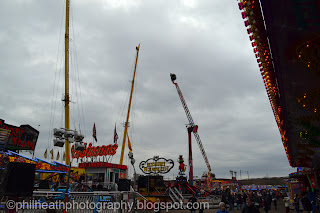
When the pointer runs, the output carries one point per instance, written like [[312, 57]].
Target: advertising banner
[[21, 138], [156, 165]]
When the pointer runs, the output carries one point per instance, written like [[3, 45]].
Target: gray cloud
[[203, 42]]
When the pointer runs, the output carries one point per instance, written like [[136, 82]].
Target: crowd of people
[[308, 200], [265, 200], [248, 208], [246, 201], [249, 200], [79, 184]]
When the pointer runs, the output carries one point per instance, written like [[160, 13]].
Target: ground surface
[[280, 209]]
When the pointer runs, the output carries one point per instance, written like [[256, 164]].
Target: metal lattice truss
[[191, 123]]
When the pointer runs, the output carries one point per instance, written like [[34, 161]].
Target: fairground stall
[[298, 181], [293, 187], [17, 178], [44, 171], [151, 185], [222, 184], [254, 187], [44, 176], [100, 174], [206, 182], [17, 138], [104, 172], [286, 42], [41, 173]]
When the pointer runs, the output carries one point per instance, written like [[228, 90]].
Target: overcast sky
[[204, 42]]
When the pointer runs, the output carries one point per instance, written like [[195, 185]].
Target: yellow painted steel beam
[[129, 107]]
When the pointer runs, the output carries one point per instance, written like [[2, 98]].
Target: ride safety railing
[[73, 202]]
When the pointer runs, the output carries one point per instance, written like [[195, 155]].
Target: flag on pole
[[58, 155], [94, 134], [51, 152], [115, 136], [129, 144], [46, 154]]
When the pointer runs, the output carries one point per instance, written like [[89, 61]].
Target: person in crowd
[[244, 198], [157, 208], [267, 202], [307, 206], [312, 198], [286, 201], [296, 203], [256, 199], [52, 184], [192, 200], [202, 192], [198, 193], [57, 185], [201, 207], [63, 182], [239, 201], [224, 197], [81, 178], [230, 200], [94, 184], [275, 203], [90, 182], [213, 192], [250, 208], [222, 208]]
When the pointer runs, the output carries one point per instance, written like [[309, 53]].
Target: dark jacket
[[256, 200], [250, 209], [296, 202], [268, 199], [239, 199], [192, 200], [307, 206], [230, 199], [244, 197], [224, 198]]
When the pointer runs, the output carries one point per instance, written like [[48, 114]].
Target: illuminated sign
[[115, 167], [94, 151], [47, 166], [41, 165], [156, 165], [21, 138]]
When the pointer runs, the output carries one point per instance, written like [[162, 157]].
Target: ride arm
[[191, 122]]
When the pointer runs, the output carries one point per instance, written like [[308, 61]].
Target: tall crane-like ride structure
[[129, 108], [191, 128]]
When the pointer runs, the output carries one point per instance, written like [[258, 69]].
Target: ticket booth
[[105, 172]]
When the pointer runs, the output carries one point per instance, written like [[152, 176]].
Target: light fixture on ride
[[71, 135]]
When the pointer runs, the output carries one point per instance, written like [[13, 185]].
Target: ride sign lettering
[[94, 151], [21, 138], [156, 165]]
